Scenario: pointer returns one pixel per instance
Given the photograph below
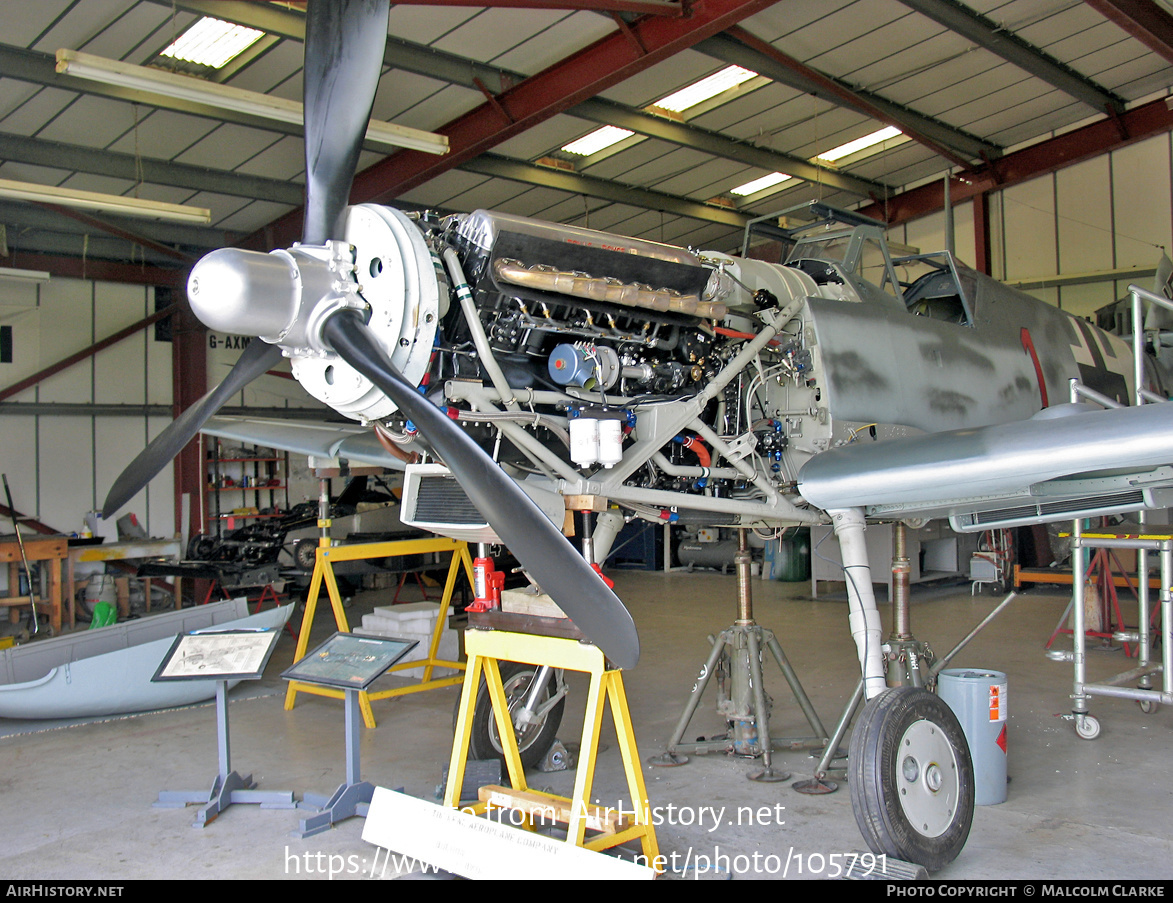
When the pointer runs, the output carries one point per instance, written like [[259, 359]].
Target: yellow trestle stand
[[616, 825], [327, 557]]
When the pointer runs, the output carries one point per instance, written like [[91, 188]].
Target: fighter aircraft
[[531, 362]]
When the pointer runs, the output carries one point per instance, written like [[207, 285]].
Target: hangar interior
[[1033, 137]]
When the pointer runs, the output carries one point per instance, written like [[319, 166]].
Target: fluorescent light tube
[[24, 275], [774, 178], [196, 90], [105, 203]]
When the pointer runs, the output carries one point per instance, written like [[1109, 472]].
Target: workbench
[[130, 550], [51, 549]]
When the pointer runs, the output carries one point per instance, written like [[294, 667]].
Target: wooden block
[[122, 586], [544, 808], [596, 503], [524, 602]]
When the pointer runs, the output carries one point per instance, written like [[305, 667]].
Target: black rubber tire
[[877, 779], [485, 743], [305, 555]]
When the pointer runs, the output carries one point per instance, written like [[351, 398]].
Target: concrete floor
[[77, 800]]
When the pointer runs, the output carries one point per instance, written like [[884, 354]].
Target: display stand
[[485, 649], [350, 664], [326, 556], [221, 656]]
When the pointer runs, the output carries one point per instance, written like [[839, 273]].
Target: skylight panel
[[212, 42], [706, 88], [860, 144], [599, 139], [759, 185]]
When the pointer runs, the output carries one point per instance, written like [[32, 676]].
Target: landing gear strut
[[909, 767]]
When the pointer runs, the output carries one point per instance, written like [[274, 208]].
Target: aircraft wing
[[318, 439], [1068, 461]]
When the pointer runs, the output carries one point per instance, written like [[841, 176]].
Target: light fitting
[[104, 203], [23, 275], [223, 97]]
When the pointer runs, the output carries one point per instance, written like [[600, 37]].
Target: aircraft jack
[[737, 656], [485, 649]]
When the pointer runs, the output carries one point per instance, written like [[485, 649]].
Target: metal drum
[[978, 699]]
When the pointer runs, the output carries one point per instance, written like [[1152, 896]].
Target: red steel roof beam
[[1142, 19]]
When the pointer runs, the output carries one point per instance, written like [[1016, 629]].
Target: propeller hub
[[281, 297]]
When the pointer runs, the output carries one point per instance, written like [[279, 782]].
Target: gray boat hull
[[108, 671]]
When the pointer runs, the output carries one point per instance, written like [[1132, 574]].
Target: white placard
[[482, 848]]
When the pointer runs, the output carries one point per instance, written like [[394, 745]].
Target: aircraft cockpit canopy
[[935, 287]]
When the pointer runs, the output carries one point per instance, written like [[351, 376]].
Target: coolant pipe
[[863, 616], [477, 329]]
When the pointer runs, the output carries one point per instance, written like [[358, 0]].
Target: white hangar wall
[[60, 465]]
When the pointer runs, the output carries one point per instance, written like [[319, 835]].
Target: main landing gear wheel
[[535, 740], [911, 778]]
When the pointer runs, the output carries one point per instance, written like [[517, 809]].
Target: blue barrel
[[978, 699]]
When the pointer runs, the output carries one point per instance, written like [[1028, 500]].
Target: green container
[[104, 615]]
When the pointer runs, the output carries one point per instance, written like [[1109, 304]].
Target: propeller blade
[[344, 45], [256, 359], [538, 544]]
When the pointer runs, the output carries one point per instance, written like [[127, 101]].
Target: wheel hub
[[928, 778]]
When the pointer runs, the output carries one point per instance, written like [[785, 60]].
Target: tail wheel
[[911, 778], [534, 740]]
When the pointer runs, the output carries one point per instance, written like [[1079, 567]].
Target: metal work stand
[[737, 656], [1146, 696], [229, 787], [350, 799]]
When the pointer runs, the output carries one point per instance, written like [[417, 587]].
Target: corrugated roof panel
[[1138, 79], [533, 201], [437, 192], [86, 20], [783, 19], [711, 178], [277, 72], [253, 216], [162, 134], [283, 159], [440, 108], [493, 32], [769, 100], [22, 23], [425, 24], [648, 153], [662, 79], [489, 194], [13, 93], [32, 115], [399, 91], [545, 137], [90, 122], [128, 37], [30, 172], [817, 42], [555, 42], [228, 146], [223, 206]]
